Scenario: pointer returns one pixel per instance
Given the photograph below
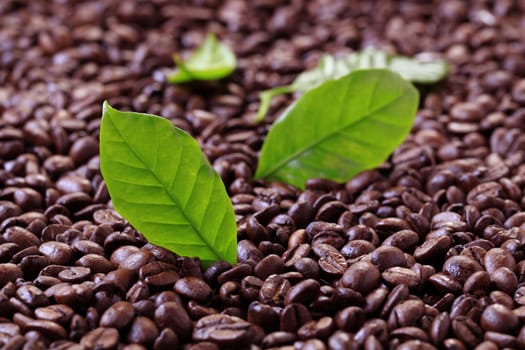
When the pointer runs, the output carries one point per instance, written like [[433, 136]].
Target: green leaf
[[211, 61], [340, 128], [330, 68], [161, 182]]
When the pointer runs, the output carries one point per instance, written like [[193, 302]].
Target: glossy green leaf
[[161, 182], [340, 128], [330, 68], [211, 61]]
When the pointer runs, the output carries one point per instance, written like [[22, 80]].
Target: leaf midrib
[[296, 154], [192, 224]]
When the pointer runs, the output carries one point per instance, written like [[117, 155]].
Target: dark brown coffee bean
[[269, 265], [440, 327], [143, 331], [362, 277], [303, 292], [432, 249], [357, 248], [317, 329], [401, 275], [406, 314], [101, 338], [498, 318], [32, 296], [274, 290], [118, 315], [385, 257], [397, 295], [193, 288], [58, 313], [293, 317], [496, 258], [504, 280], [350, 319], [373, 327], [276, 339], [83, 149], [9, 272], [461, 267], [467, 330], [49, 329], [477, 284], [74, 274], [172, 315], [227, 331], [416, 345], [21, 236], [262, 315]]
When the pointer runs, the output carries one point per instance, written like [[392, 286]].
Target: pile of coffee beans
[[425, 252]]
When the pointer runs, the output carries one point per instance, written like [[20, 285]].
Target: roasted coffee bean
[[58, 313], [350, 319], [269, 265], [466, 330], [193, 288], [461, 267], [498, 318], [317, 329], [406, 314], [401, 275], [274, 290], [504, 279], [303, 292], [101, 338], [143, 331], [362, 277], [385, 257], [118, 315], [263, 315], [49, 329], [225, 330], [32, 296], [293, 317], [276, 339]]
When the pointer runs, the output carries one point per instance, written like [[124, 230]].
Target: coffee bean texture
[[425, 252]]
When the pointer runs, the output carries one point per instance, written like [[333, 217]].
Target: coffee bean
[[32, 296], [9, 272], [466, 330], [406, 314], [269, 265], [173, 316], [317, 329], [432, 249], [224, 330], [362, 277], [118, 315], [193, 288], [477, 283], [58, 313], [101, 338], [293, 317], [49, 329], [496, 258], [504, 279], [401, 275], [143, 331], [385, 257], [498, 318], [350, 319], [274, 290], [303, 292], [461, 267], [262, 315]]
